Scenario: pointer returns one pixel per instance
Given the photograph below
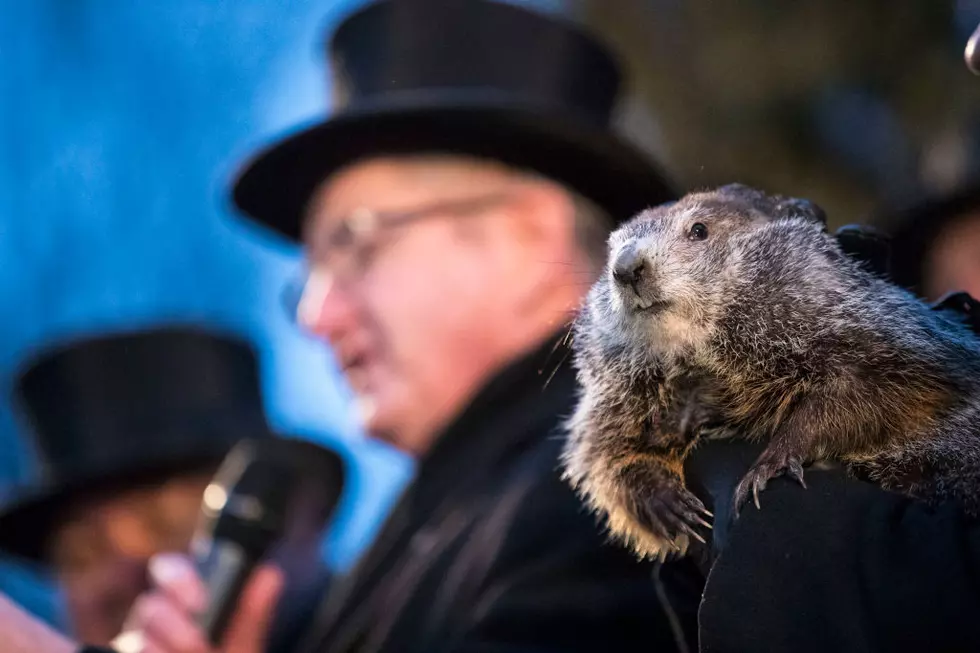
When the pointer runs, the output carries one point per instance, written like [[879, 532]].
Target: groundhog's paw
[[772, 463], [668, 512]]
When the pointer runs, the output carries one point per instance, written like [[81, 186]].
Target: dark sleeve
[[844, 566], [297, 609], [560, 586]]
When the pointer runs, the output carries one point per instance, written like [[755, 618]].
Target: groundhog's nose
[[629, 266]]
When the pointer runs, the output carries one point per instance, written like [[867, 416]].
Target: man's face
[[101, 550], [418, 313]]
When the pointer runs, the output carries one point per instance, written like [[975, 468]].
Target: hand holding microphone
[[267, 495]]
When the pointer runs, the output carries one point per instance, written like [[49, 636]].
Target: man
[[454, 212], [131, 428]]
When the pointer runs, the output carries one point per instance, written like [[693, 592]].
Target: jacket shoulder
[[556, 580]]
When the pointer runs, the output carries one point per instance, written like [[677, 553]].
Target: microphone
[[264, 489]]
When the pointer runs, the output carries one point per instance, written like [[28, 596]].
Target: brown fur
[[765, 330]]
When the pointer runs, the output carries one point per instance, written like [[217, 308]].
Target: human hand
[[163, 618]]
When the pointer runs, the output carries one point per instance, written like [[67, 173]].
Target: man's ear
[[543, 217], [545, 224]]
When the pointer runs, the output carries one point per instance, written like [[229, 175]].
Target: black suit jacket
[[489, 551], [844, 566]]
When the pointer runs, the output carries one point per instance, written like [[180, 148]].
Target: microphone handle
[[224, 568]]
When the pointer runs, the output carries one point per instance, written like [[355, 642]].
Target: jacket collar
[[524, 399], [517, 408]]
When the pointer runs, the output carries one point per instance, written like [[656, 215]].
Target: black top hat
[[913, 230], [473, 77], [128, 408]]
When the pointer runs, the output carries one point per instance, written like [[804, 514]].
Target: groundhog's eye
[[698, 231]]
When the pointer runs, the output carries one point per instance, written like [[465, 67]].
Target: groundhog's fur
[[766, 330]]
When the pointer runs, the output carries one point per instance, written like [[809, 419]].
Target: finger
[[248, 631], [129, 641], [175, 576], [167, 626]]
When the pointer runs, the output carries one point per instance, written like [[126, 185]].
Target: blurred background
[[122, 123]]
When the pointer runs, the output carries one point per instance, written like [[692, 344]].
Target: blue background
[[122, 124]]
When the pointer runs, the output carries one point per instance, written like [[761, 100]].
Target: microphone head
[[262, 483], [269, 493]]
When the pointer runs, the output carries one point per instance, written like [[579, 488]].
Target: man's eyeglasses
[[347, 251]]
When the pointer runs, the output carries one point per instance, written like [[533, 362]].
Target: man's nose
[[325, 309], [629, 266]]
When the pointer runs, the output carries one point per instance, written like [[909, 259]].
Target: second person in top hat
[[454, 211], [130, 427]]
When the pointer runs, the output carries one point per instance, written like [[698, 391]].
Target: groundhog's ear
[[793, 207]]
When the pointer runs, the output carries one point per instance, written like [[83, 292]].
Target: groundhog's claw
[[770, 465], [669, 511], [795, 470]]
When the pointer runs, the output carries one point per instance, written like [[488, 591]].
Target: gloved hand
[[867, 245], [960, 306]]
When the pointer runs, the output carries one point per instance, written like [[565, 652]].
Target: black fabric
[[416, 76], [844, 566], [298, 607], [488, 550]]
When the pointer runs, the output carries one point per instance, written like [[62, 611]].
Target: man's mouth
[[354, 366], [353, 361]]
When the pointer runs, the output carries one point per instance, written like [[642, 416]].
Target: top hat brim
[[28, 518], [275, 187]]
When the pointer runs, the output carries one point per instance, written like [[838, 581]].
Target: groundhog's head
[[667, 268]]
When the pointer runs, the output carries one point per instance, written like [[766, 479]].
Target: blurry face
[[101, 549], [953, 263], [420, 310]]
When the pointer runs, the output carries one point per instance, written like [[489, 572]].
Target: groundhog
[[733, 313]]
